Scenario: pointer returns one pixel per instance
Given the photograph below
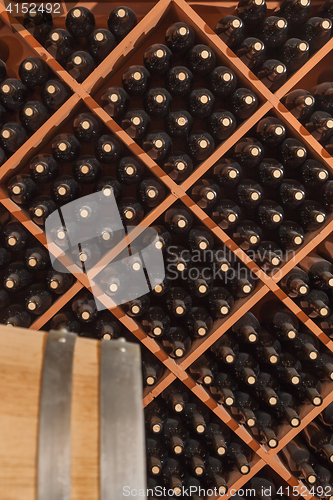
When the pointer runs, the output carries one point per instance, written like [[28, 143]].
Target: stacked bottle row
[[276, 46], [265, 371], [309, 456], [79, 47], [150, 104], [314, 109], [91, 160], [266, 193], [310, 284], [27, 102], [29, 284], [202, 282], [188, 445]]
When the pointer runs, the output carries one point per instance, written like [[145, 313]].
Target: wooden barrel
[[21, 364]]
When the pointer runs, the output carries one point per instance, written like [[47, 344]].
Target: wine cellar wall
[[237, 369]]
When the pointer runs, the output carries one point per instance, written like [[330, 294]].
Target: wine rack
[[202, 17]]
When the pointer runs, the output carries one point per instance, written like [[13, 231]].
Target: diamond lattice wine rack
[[154, 19]]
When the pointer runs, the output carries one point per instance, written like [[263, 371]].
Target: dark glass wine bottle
[[37, 299], [179, 80], [295, 11], [231, 30], [33, 115], [33, 72], [16, 277], [12, 136], [243, 103], [54, 94], [274, 31], [247, 235], [205, 193], [313, 174], [80, 64], [108, 149], [270, 214], [180, 37], [271, 131], [36, 259], [178, 302], [178, 166], [38, 22], [200, 145], [157, 102], [13, 93], [15, 236], [290, 236], [297, 458], [227, 172], [15, 315], [22, 189], [41, 208], [315, 304], [222, 124], [294, 53], [86, 127], [157, 59], [178, 219], [252, 52], [157, 144], [252, 12], [279, 320], [220, 302], [273, 74], [64, 189], [317, 31], [201, 59], [136, 123], [198, 322], [100, 43], [300, 103], [115, 101], [249, 193], [248, 152], [136, 80], [200, 103], [121, 21]]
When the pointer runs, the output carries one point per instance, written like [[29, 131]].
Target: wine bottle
[[121, 21], [12, 136], [65, 148], [178, 302], [217, 437], [201, 59], [136, 123], [37, 299], [33, 72], [323, 94], [136, 80], [36, 259], [152, 371], [285, 409], [311, 215], [279, 321], [175, 399], [60, 44], [180, 261], [22, 189], [291, 235], [38, 22], [225, 348], [264, 429], [306, 348], [295, 283], [157, 102], [248, 152], [295, 11], [252, 12], [15, 315], [200, 103], [58, 282], [199, 281], [115, 101], [179, 80], [180, 37], [315, 304], [294, 53], [86, 127], [108, 149], [274, 31], [297, 458], [292, 193], [241, 284], [320, 125], [178, 166], [196, 417], [267, 350], [80, 64], [249, 193], [231, 30], [65, 321], [54, 94], [33, 115], [198, 322], [16, 277], [87, 169], [80, 22], [271, 131], [156, 322], [268, 255], [245, 368], [300, 103], [320, 271], [223, 81], [138, 307], [247, 328], [64, 189], [227, 214], [157, 58], [15, 236], [220, 302], [151, 192], [156, 456], [205, 193], [41, 208], [227, 172], [223, 389], [247, 235], [289, 370], [270, 214], [243, 103], [222, 124], [317, 31], [200, 239], [157, 145], [100, 43], [252, 52], [200, 145], [13, 93], [244, 408], [106, 187], [203, 370], [273, 74], [129, 171], [131, 211], [178, 219], [313, 174]]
